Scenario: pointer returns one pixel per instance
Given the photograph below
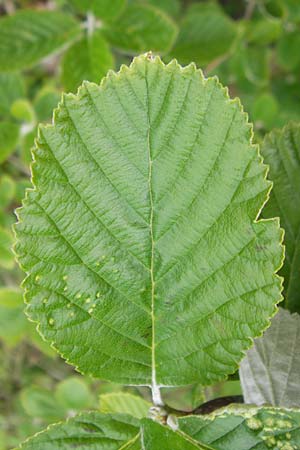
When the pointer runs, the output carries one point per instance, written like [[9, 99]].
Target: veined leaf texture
[[146, 261]]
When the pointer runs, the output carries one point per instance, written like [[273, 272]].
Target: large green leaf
[[88, 59], [142, 27], [270, 371], [29, 35], [146, 264], [281, 150], [246, 428], [206, 33], [89, 431]]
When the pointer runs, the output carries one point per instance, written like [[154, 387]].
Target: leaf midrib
[[154, 386]]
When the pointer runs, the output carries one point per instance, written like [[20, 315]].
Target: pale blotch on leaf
[[254, 424]]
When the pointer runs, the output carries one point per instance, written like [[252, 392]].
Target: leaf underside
[[270, 371], [145, 262], [246, 428], [281, 150]]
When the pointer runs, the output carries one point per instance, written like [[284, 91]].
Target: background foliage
[[47, 47]]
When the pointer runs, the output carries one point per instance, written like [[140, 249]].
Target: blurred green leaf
[[106, 10], [29, 35], [293, 9], [206, 33], [11, 88], [263, 31], [88, 59], [21, 185], [184, 398], [9, 136], [141, 28], [7, 190], [6, 255], [123, 402], [44, 103], [27, 143], [171, 7], [265, 109], [13, 322], [274, 8], [22, 110], [40, 403], [281, 151], [288, 50], [255, 63], [73, 393]]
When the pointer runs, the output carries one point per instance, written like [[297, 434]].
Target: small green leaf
[[293, 9], [106, 10], [263, 31], [255, 64], [73, 393], [21, 185], [40, 403], [13, 322], [170, 7], [88, 59], [7, 191], [288, 50], [281, 150], [106, 283], [184, 398], [123, 402], [270, 371], [9, 136], [140, 28], [22, 110], [11, 89], [245, 428], [89, 431], [44, 103], [206, 33], [6, 255], [265, 110], [29, 35], [27, 144]]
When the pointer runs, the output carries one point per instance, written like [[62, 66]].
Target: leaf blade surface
[[168, 270]]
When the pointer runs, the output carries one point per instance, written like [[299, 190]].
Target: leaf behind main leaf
[[145, 262], [270, 371]]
